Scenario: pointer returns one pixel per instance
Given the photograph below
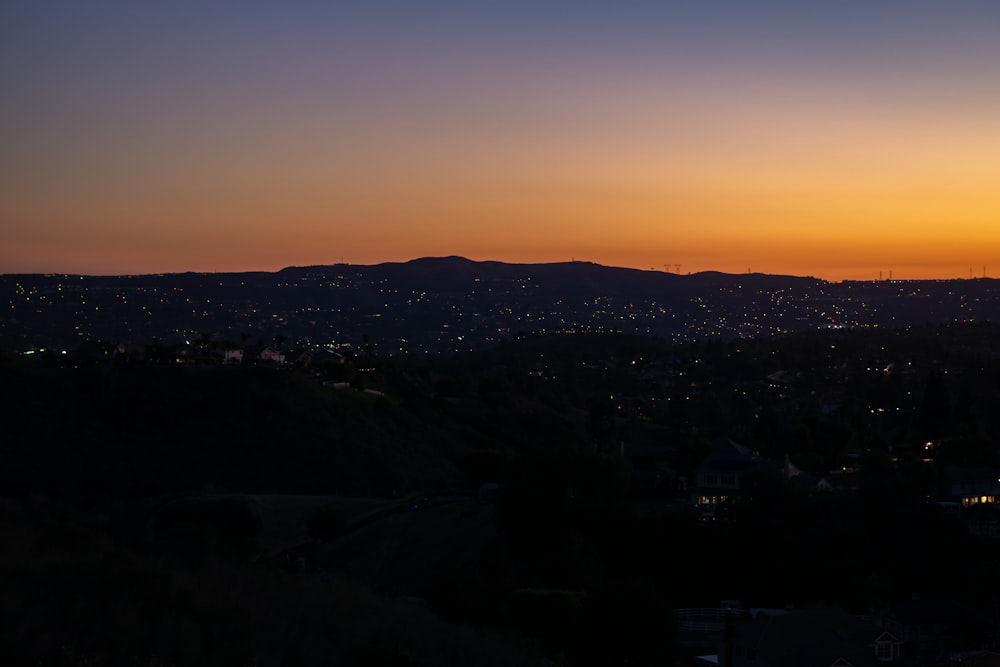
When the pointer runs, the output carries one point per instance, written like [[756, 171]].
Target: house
[[927, 626], [717, 478], [232, 356], [317, 358], [807, 639], [971, 486], [804, 481], [271, 355]]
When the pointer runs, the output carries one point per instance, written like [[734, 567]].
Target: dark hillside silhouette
[[452, 304], [124, 475]]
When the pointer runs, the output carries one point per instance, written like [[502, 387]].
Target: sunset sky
[[834, 139]]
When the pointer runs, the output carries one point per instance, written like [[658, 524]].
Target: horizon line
[[883, 275]]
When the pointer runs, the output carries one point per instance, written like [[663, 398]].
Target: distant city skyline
[[839, 141]]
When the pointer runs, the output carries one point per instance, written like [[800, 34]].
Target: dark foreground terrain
[[174, 514]]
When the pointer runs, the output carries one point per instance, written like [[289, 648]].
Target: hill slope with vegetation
[[136, 491]]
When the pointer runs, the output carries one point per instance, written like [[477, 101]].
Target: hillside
[[451, 304], [193, 495]]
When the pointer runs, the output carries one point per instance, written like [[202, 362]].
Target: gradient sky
[[834, 139]]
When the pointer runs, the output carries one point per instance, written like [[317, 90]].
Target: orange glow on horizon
[[714, 153]]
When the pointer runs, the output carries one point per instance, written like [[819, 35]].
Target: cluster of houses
[[720, 479], [206, 354], [259, 354], [931, 631], [820, 638], [912, 633], [720, 476]]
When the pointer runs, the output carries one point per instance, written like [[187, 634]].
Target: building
[[971, 486], [717, 478], [807, 639]]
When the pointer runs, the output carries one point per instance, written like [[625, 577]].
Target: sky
[[831, 139]]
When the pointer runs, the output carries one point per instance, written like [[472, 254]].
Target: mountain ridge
[[429, 261], [453, 303]]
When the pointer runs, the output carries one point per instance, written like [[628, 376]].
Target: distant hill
[[446, 304]]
